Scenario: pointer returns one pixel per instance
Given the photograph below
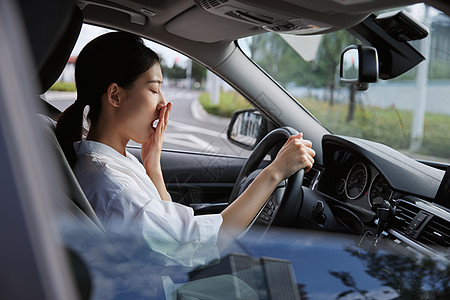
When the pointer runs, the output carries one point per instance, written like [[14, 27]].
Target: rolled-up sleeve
[[169, 228]]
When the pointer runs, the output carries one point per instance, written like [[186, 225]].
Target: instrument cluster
[[363, 185]]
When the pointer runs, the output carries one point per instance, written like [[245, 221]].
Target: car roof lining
[[183, 19], [211, 27]]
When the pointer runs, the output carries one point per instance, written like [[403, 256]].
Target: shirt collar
[[92, 147]]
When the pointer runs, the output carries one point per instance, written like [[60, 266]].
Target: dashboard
[[365, 173], [360, 176]]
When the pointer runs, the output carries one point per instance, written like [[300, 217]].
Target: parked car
[[370, 220]]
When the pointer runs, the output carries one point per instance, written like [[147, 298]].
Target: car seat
[[50, 62], [100, 266], [48, 72], [73, 190]]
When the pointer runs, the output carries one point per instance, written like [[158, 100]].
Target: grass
[[385, 125], [229, 102], [64, 86]]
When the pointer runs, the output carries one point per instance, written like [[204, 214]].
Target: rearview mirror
[[244, 128], [359, 65]]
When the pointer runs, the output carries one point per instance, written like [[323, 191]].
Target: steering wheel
[[285, 203]]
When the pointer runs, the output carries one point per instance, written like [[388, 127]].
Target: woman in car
[[120, 79]]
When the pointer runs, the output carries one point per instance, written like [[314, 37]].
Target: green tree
[[275, 56], [267, 50], [176, 72], [328, 61], [198, 72]]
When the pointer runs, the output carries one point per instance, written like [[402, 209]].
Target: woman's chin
[[141, 140]]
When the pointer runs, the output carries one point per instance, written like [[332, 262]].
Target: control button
[[265, 217], [418, 220], [421, 217]]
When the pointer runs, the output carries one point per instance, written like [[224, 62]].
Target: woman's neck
[[111, 140]]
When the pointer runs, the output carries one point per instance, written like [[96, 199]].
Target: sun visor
[[195, 24]]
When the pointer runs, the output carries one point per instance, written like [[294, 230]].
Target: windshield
[[410, 113]]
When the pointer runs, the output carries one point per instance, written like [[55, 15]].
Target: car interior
[[205, 31]]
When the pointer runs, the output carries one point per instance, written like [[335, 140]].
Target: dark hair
[[116, 57]]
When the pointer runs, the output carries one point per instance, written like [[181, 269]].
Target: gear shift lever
[[318, 214], [383, 213]]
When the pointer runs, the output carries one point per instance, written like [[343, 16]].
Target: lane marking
[[191, 141], [183, 127]]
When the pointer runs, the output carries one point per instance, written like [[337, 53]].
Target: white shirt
[[128, 204]]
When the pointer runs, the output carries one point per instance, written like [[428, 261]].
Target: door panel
[[202, 181]]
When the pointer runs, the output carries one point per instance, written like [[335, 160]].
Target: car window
[[202, 103], [410, 113]]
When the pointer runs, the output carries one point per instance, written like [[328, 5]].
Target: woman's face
[[141, 105]]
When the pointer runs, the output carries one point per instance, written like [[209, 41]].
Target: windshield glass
[[410, 113]]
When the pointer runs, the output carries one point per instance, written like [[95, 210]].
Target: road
[[190, 128]]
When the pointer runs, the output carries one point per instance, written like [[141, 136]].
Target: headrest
[[53, 27]]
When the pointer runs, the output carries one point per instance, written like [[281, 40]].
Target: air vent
[[208, 4], [405, 213], [436, 233], [310, 178]]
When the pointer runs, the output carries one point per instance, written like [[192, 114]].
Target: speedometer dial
[[356, 181], [379, 190]]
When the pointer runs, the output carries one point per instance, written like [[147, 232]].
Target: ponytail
[[69, 129]]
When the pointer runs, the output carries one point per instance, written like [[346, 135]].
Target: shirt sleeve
[[169, 229]]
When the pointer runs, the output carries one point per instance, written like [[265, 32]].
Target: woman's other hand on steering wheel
[[295, 154]]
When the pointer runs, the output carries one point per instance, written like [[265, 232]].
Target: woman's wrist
[[272, 174]]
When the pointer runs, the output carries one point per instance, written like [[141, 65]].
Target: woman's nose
[[162, 101]]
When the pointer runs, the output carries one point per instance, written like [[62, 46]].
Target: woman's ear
[[113, 95]]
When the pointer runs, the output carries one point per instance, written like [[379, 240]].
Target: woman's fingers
[[167, 112], [311, 152], [303, 147], [297, 136], [306, 158], [164, 117], [307, 143]]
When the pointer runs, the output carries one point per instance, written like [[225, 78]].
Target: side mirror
[[244, 128], [359, 65]]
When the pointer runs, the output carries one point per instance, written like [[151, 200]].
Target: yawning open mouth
[[155, 123]]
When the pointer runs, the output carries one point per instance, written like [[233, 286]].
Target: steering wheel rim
[[292, 198]]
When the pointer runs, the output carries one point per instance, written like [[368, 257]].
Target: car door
[[200, 180]]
